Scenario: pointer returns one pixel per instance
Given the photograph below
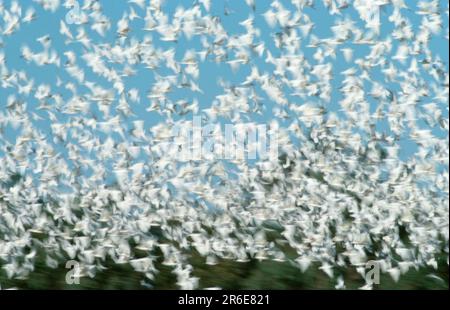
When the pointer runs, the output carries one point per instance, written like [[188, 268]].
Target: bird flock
[[356, 91]]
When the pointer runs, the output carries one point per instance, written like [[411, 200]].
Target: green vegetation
[[227, 275]]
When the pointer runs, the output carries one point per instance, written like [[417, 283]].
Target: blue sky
[[210, 71]]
